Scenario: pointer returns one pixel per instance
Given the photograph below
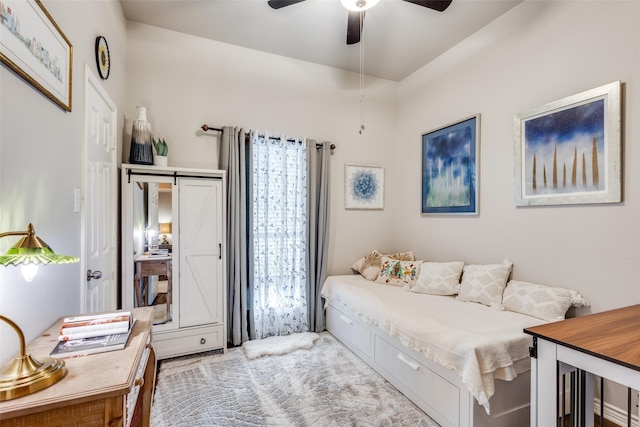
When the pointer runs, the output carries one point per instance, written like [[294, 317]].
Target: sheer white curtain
[[279, 226]]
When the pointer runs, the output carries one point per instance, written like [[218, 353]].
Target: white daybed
[[464, 364]]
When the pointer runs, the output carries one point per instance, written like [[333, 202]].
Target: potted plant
[[162, 149]]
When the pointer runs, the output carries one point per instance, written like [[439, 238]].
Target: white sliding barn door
[[201, 239], [99, 292]]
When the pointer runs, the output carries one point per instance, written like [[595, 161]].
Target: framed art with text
[[35, 48], [450, 168], [569, 151], [364, 187]]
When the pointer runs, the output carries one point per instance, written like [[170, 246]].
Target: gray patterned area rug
[[326, 385]]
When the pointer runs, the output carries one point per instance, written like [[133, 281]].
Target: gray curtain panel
[[318, 229], [234, 158]]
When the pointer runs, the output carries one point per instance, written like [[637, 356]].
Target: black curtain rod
[[207, 127], [277, 138], [318, 145]]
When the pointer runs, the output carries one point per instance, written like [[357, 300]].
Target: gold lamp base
[[24, 374]]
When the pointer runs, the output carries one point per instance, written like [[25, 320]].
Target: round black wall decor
[[103, 60]]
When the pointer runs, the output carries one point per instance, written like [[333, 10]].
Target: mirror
[[152, 247]]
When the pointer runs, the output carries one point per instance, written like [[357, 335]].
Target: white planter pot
[[160, 161]]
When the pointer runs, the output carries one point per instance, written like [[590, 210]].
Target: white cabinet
[[173, 232]]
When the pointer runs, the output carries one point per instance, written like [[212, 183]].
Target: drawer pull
[[139, 382], [203, 341], [346, 319], [413, 365]]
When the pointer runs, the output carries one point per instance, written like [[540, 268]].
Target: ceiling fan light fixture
[[358, 5]]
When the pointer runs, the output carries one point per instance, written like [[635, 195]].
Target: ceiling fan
[[357, 8]]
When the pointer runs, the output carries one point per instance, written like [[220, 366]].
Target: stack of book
[[159, 252], [93, 333]]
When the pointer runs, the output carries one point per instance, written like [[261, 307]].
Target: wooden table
[[105, 389], [149, 265], [606, 344]]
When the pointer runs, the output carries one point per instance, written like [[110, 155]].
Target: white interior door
[[201, 239], [100, 208]]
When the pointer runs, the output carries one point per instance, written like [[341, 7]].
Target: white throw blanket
[[479, 343]]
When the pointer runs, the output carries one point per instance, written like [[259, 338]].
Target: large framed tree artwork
[[568, 152]]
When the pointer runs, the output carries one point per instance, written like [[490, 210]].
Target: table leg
[[546, 379], [137, 286]]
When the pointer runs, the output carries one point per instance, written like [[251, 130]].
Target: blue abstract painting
[[449, 168]]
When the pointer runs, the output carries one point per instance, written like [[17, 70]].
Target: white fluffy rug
[[326, 385], [279, 345]]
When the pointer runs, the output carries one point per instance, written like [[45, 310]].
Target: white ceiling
[[399, 37]]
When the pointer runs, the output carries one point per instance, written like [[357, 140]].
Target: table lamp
[[24, 374], [165, 228]]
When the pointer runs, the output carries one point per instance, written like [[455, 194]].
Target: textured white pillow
[[439, 278], [398, 273], [369, 265], [485, 283], [543, 302]]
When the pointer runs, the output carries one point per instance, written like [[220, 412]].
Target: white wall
[[186, 81], [40, 165], [536, 53]]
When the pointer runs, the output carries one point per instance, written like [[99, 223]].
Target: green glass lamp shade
[[18, 256], [33, 250]]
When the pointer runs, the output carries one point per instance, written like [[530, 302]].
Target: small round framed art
[[103, 60]]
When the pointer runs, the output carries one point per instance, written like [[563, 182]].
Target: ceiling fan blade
[[439, 5], [277, 4], [355, 22]]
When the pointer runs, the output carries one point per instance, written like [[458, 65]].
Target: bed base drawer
[[345, 326], [439, 396]]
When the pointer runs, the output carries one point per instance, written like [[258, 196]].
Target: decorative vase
[[141, 152], [160, 161]]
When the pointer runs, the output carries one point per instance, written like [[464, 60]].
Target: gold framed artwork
[[35, 48], [568, 152]]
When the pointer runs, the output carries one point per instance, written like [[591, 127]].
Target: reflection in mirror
[[152, 248]]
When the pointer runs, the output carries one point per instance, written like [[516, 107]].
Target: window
[[279, 181]]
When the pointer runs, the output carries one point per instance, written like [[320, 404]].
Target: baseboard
[[615, 414]]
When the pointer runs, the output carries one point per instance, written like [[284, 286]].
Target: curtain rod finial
[[204, 128]]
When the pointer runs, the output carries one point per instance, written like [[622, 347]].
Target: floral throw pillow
[[369, 265], [398, 273]]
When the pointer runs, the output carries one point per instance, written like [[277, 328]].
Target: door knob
[[93, 275]]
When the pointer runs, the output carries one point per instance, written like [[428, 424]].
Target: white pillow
[[543, 302], [439, 278], [485, 283], [398, 273]]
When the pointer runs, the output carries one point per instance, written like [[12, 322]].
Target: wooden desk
[[606, 344], [104, 389], [146, 266]]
